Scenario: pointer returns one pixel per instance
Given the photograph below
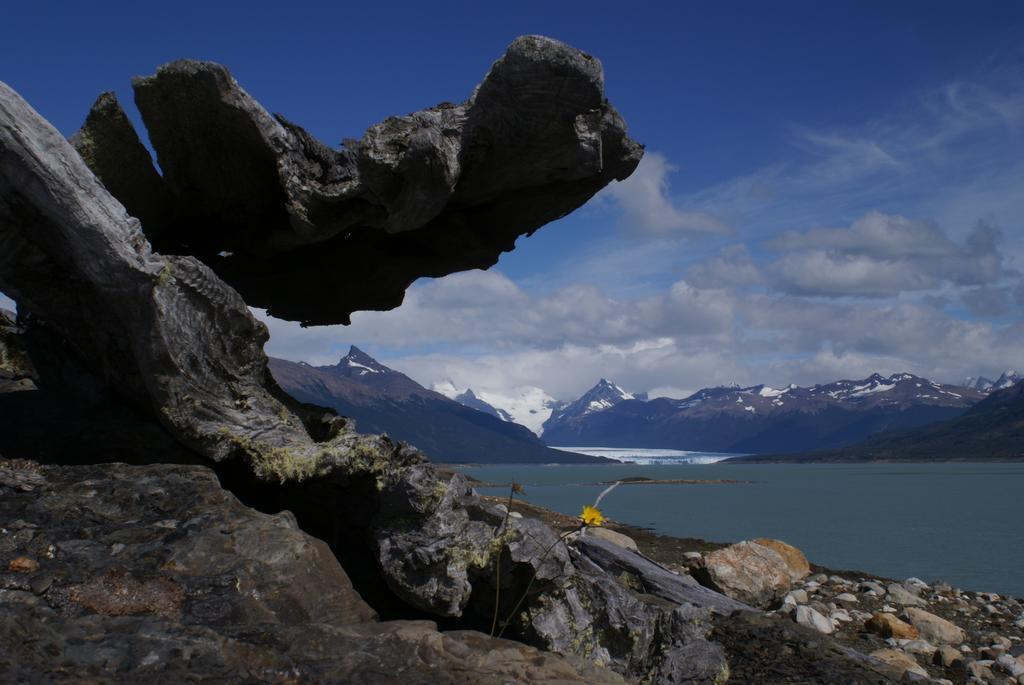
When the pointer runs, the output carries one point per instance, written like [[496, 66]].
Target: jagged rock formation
[[313, 233], [189, 591]]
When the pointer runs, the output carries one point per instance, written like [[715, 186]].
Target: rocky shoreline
[[932, 632]]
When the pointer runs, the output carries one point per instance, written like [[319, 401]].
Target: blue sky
[[830, 189]]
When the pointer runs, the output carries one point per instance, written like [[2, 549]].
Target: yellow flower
[[591, 516]]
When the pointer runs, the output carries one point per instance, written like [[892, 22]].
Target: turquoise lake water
[[961, 523]]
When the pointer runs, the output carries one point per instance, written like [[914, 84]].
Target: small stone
[[888, 608], [799, 596], [820, 578], [811, 586], [992, 652], [841, 616], [899, 660], [948, 657], [23, 565], [1007, 664], [847, 598], [887, 625], [978, 670], [610, 535], [900, 595], [871, 586], [917, 582], [935, 628], [806, 616], [40, 584], [921, 647], [788, 605]]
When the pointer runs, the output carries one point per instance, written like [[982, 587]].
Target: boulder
[[799, 567], [748, 572], [934, 628], [887, 625]]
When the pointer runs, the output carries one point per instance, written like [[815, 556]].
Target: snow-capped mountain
[[383, 400], [358, 363], [528, 405], [1008, 378], [470, 399], [990, 430], [602, 396], [760, 418]]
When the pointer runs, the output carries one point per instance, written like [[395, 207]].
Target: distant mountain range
[[991, 430], [1008, 378], [461, 425], [758, 419], [382, 400]]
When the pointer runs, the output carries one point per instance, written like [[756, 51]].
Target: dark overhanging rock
[[313, 233]]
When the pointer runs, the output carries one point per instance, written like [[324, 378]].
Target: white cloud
[[648, 206], [732, 267], [684, 338], [883, 255]]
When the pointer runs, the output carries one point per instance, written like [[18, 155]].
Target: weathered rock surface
[[799, 567], [201, 587], [313, 233], [935, 628], [163, 333], [900, 661], [749, 572], [770, 649]]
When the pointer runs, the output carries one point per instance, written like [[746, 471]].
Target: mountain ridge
[[382, 400], [991, 430], [760, 418]]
